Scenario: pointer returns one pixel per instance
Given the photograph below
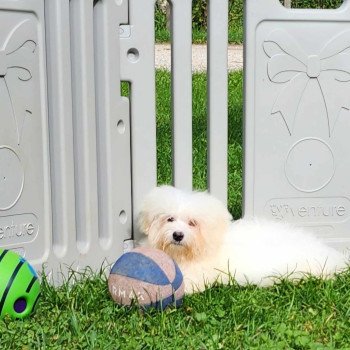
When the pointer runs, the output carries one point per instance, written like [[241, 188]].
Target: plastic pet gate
[[76, 158]]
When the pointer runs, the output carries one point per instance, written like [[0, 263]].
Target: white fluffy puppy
[[197, 231]]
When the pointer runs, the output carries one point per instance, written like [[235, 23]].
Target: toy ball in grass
[[147, 277], [19, 285]]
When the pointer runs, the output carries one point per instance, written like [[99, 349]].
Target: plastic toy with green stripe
[[19, 285]]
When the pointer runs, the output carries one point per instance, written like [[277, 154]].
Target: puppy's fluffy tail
[[282, 250]]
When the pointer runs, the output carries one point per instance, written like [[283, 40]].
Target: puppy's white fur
[[215, 248]]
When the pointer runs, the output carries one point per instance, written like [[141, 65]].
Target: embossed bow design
[[290, 65], [16, 61]]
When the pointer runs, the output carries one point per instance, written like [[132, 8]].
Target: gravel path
[[199, 57]]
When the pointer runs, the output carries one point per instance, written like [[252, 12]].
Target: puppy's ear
[[144, 222], [155, 203]]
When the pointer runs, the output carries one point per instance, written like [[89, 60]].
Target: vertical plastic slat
[[60, 122], [83, 88], [113, 129], [181, 54], [137, 66], [217, 98]]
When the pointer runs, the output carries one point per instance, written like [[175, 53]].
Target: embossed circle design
[[310, 165], [11, 178]]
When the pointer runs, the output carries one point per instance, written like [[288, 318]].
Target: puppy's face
[[187, 226], [179, 236]]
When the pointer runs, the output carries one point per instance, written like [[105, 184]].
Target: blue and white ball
[[147, 277]]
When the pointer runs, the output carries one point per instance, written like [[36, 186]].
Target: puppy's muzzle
[[178, 236]]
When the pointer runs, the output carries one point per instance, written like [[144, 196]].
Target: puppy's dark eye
[[171, 219], [192, 223]]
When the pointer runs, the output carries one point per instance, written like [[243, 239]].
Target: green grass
[[235, 19], [199, 30], [312, 314], [199, 35], [235, 112]]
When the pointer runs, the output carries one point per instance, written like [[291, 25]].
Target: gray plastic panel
[[137, 67], [76, 127], [297, 117], [24, 162], [113, 129], [90, 134]]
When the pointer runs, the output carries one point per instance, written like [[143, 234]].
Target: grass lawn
[[313, 314], [199, 135], [199, 31], [199, 35]]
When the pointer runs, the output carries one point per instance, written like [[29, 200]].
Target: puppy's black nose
[[178, 236]]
